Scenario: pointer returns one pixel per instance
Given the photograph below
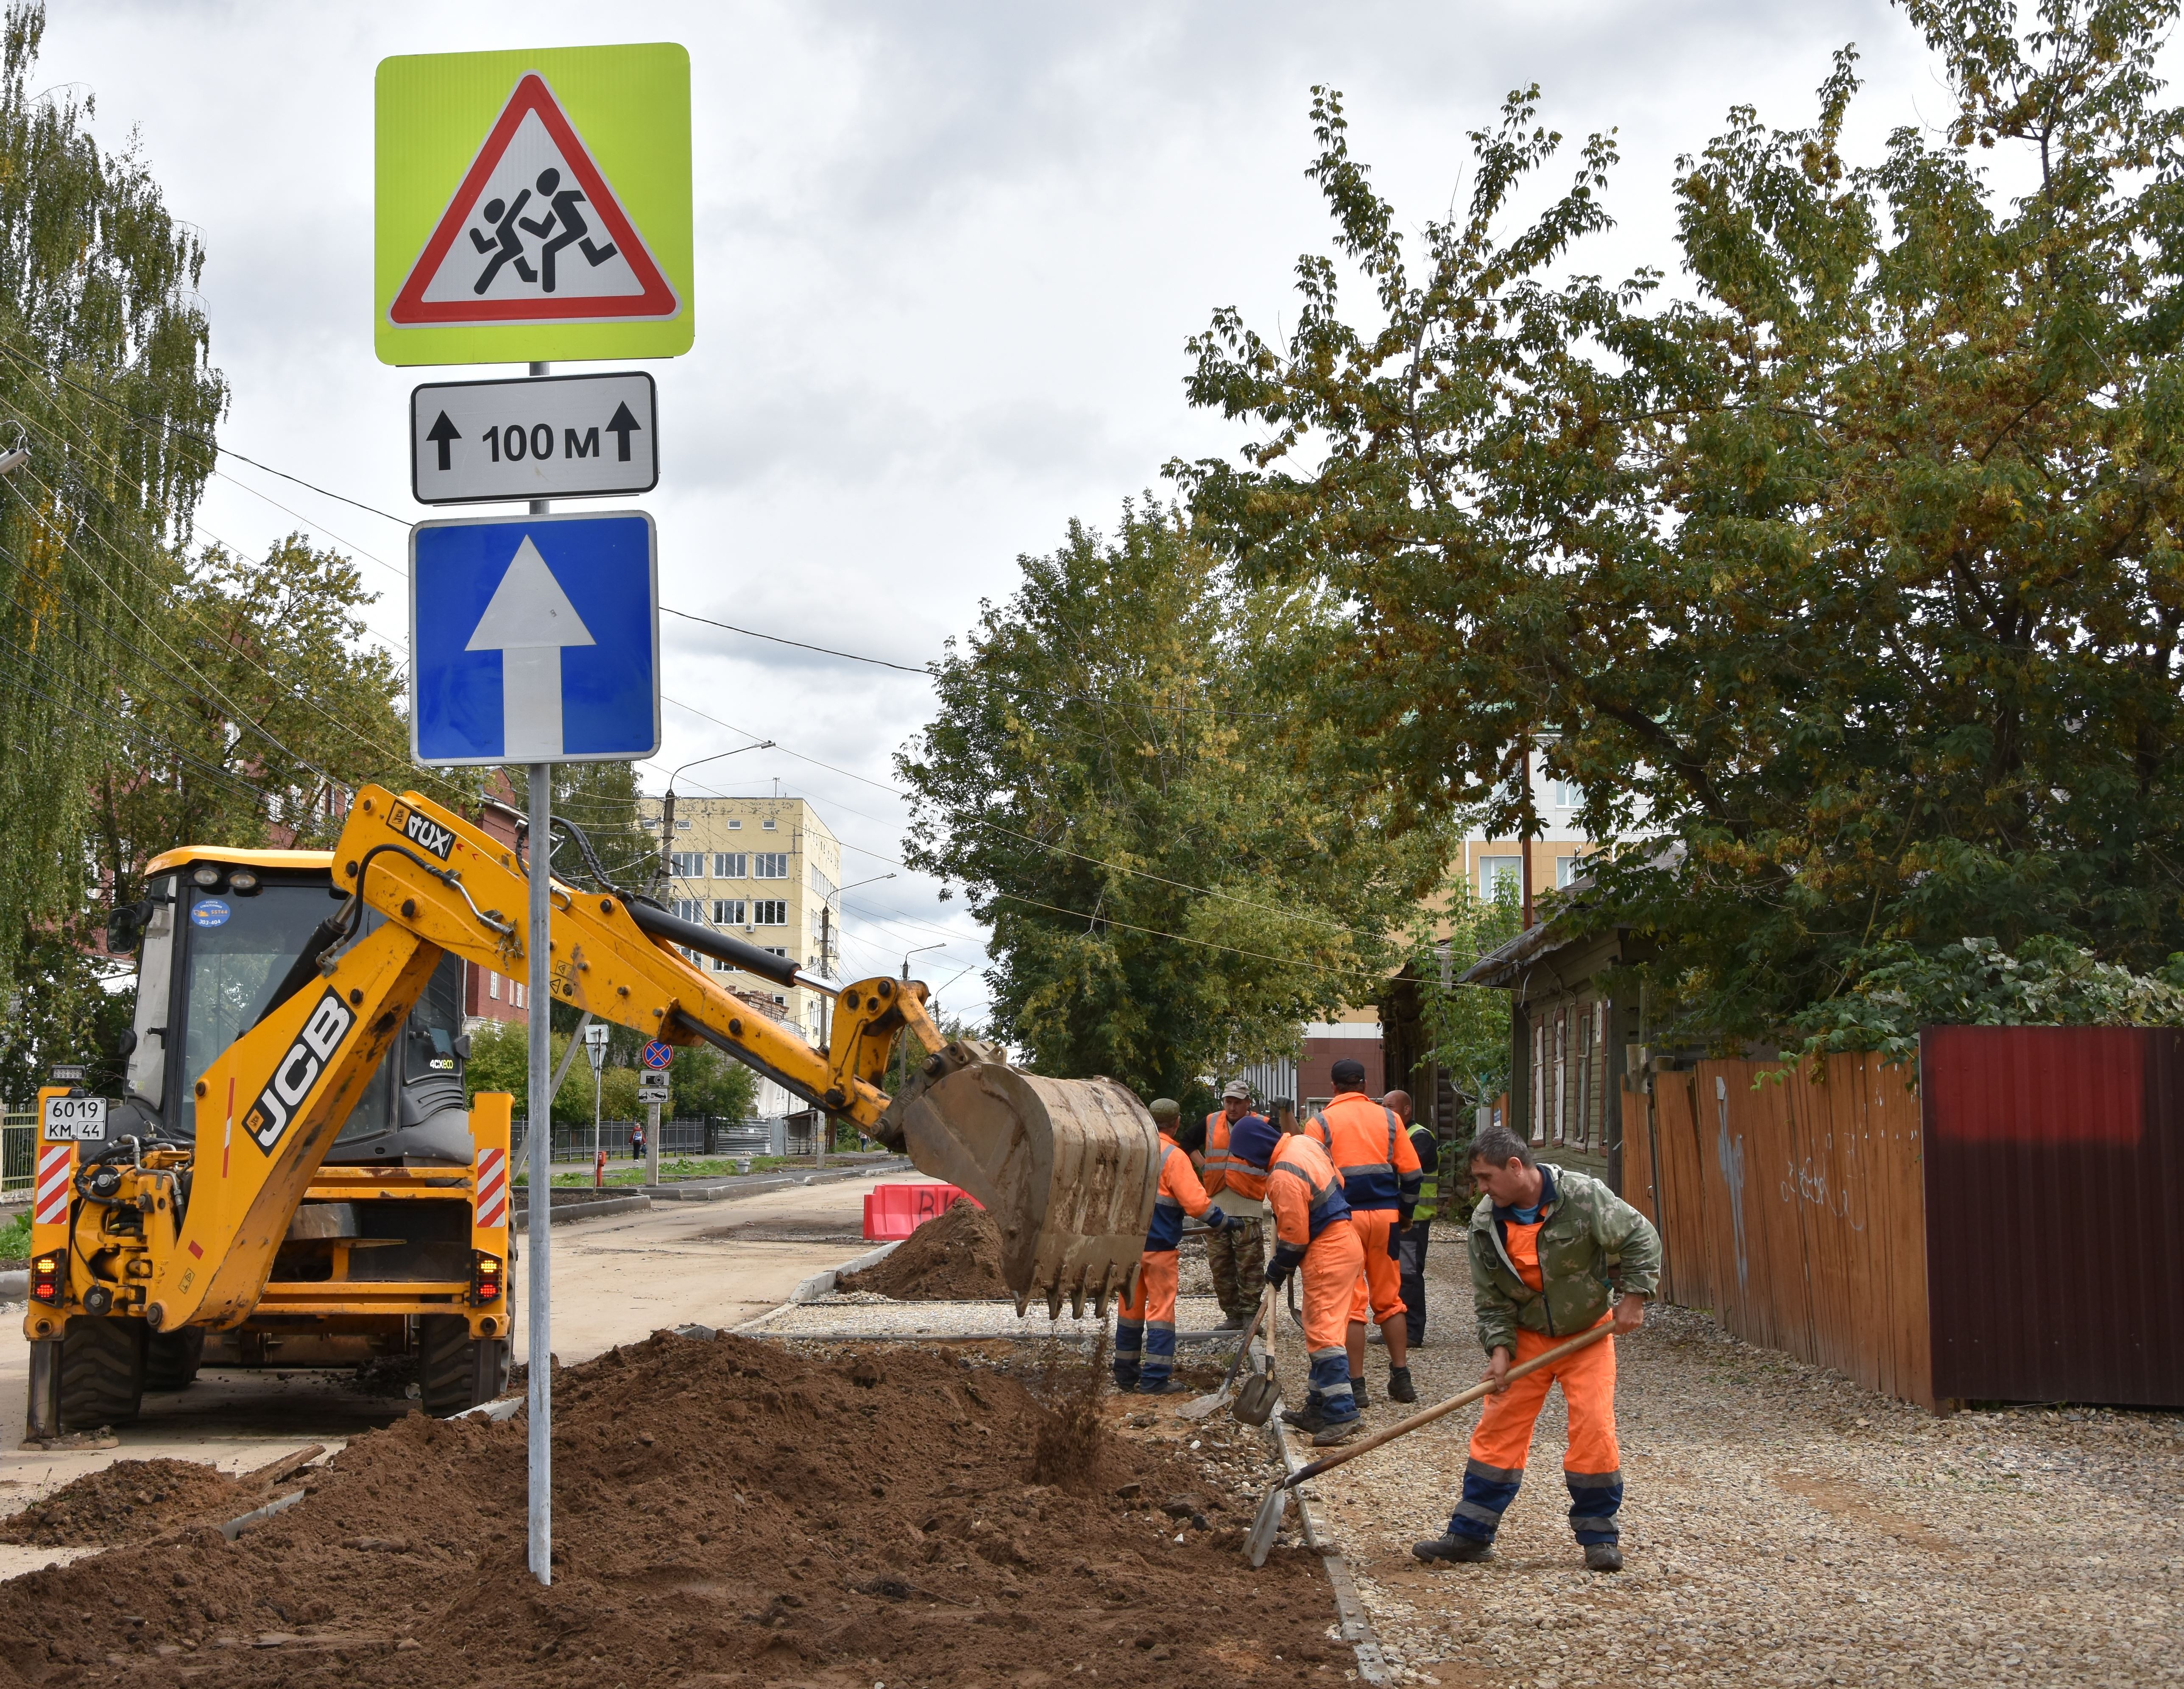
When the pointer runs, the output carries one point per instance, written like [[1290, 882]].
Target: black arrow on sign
[[443, 432], [623, 426]]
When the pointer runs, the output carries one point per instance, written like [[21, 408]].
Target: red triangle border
[[657, 302]]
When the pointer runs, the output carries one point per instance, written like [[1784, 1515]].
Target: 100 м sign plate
[[550, 436]]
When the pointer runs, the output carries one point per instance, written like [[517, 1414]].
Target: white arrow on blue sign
[[534, 639]]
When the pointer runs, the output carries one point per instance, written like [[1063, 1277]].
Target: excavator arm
[[1067, 1167]]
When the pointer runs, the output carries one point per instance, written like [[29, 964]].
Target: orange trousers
[[1330, 1267], [1504, 1435], [1379, 1281]]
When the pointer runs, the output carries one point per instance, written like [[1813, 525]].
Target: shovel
[[1268, 1522], [1204, 1405]]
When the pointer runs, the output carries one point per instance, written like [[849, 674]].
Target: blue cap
[[1252, 1141]]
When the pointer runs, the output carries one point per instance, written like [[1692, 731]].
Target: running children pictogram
[[533, 233]]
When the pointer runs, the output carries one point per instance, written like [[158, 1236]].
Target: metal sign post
[[537, 1007]]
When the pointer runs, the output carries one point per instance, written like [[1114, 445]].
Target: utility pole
[[1525, 826], [595, 1051], [666, 880]]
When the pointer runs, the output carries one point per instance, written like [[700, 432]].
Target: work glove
[[1286, 1258], [1219, 1220]]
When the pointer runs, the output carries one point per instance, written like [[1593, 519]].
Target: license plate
[[75, 1120]]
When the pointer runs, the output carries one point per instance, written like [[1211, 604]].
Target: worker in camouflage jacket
[[1551, 1249]]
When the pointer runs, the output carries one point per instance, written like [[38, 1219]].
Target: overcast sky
[[947, 256]]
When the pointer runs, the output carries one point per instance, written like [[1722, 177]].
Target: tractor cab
[[214, 935]]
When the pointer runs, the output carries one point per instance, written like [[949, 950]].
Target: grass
[[15, 1237], [682, 1167]]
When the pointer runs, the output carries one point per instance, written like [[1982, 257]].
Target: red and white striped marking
[[493, 1188], [49, 1206]]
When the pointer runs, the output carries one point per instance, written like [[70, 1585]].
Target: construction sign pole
[[538, 1010]]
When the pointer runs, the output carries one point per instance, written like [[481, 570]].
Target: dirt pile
[[725, 1513], [131, 1499], [956, 1258]]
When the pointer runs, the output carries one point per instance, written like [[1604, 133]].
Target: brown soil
[[726, 1513], [124, 1502], [956, 1258]]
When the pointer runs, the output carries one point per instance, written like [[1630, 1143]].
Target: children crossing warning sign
[[534, 206]]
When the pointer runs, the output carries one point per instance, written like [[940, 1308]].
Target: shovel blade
[[1267, 1526], [1254, 1401], [1200, 1406]]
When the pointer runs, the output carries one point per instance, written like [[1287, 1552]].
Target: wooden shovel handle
[[1244, 1348], [1426, 1416]]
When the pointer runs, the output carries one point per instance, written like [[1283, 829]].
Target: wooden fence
[[1794, 1210]]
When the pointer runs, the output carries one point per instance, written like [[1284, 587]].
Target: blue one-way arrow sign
[[534, 639]]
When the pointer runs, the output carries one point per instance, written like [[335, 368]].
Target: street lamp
[[668, 802]]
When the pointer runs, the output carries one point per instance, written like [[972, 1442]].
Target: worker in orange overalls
[[1380, 1178], [1144, 1324], [1551, 1251], [1314, 1236]]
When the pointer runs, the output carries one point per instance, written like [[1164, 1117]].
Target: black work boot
[[1456, 1548], [1358, 1394], [1309, 1418], [1400, 1388], [1603, 1556]]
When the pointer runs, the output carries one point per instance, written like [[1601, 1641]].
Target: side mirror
[[462, 1046], [124, 926], [125, 1043]]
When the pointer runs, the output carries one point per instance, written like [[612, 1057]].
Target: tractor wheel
[[102, 1371], [454, 1372], [171, 1359]]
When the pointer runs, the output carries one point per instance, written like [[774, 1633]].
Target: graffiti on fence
[[1810, 1184], [1730, 1156]]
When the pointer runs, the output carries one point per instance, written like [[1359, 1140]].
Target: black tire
[[101, 1372], [171, 1359], [454, 1373]]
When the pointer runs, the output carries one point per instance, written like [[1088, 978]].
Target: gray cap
[[1237, 1087], [1165, 1108]]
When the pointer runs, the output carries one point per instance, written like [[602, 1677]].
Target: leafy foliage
[[1855, 574], [1467, 1026], [700, 1082], [1976, 983], [1126, 782]]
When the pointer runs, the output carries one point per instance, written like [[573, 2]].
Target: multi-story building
[[767, 871]]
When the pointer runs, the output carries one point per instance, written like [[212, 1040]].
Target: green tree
[[105, 381], [1467, 1026], [703, 1083], [1852, 579], [1120, 778]]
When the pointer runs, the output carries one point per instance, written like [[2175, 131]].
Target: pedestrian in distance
[[1380, 1180], [1237, 1257], [1314, 1239], [636, 1140], [1548, 1247], [1412, 1241], [1144, 1324]]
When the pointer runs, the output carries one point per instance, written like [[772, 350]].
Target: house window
[[781, 950], [1496, 872], [730, 912], [1567, 868], [719, 967], [731, 864], [1561, 1115], [1565, 794], [1600, 1075], [767, 825], [1538, 1109], [1581, 1112], [689, 909], [493, 986], [735, 825], [770, 865], [686, 864], [770, 911], [516, 993], [682, 823]]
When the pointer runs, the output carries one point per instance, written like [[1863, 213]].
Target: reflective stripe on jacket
[[1304, 1191], [1180, 1194], [1370, 1149], [1221, 1166], [1428, 1154]]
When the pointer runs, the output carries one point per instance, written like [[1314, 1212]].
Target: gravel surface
[[1782, 1526]]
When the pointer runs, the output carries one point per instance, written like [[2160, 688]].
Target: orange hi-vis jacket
[[1225, 1171], [1369, 1147], [1305, 1191], [1180, 1194]]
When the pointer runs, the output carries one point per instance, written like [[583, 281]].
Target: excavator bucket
[[1068, 1168]]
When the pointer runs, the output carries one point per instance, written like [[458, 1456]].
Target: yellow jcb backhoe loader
[[292, 1179]]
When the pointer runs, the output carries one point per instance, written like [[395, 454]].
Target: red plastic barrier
[[893, 1210]]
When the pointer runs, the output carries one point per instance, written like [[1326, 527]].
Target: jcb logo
[[299, 1071], [421, 830]]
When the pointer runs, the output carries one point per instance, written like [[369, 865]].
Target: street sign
[[550, 436], [648, 1083], [533, 206], [658, 1055], [534, 639]]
